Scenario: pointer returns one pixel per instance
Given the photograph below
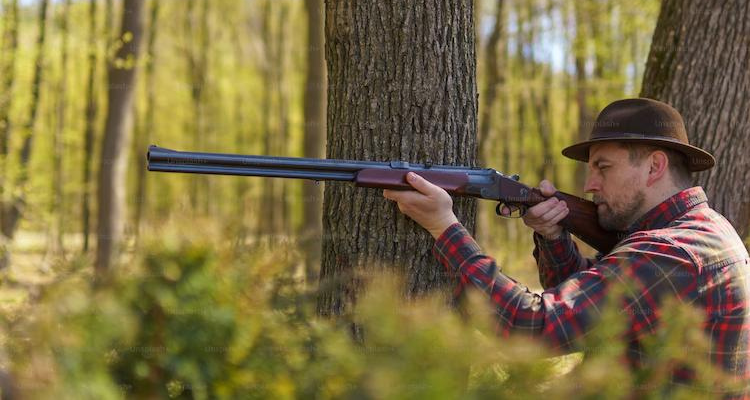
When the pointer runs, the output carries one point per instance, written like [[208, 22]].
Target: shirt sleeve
[[557, 259], [650, 267]]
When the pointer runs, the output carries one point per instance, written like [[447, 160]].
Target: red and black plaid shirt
[[681, 247]]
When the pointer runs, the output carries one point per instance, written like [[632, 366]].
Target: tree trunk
[[8, 74], [197, 60], [585, 115], [268, 224], [495, 77], [56, 246], [13, 210], [540, 98], [91, 113], [111, 185], [699, 63], [243, 131], [282, 95], [403, 87], [522, 99], [143, 137], [314, 141]]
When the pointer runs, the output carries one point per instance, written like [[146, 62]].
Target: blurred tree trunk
[[12, 210], [8, 74], [540, 95], [495, 79], [585, 114], [57, 207], [314, 140], [539, 91], [282, 96], [274, 203], [269, 221], [242, 132], [699, 63], [143, 135], [109, 24], [91, 114], [522, 99], [111, 182], [403, 88], [197, 61]]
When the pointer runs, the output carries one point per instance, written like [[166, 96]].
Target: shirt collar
[[668, 210]]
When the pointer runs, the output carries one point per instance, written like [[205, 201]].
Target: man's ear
[[658, 165]]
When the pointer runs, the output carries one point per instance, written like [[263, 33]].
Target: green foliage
[[186, 321]]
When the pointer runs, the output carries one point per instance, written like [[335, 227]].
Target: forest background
[[117, 281]]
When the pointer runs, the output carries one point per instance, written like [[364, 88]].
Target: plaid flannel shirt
[[681, 247]]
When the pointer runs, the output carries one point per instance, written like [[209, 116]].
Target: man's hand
[[430, 206], [543, 217]]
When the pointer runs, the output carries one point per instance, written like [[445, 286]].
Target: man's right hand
[[543, 217]]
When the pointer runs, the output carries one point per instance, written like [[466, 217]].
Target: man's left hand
[[430, 206]]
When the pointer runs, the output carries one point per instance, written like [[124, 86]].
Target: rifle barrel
[[167, 160]]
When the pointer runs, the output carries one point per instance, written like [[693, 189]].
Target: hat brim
[[697, 158]]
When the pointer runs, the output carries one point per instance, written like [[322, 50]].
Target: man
[[639, 165]]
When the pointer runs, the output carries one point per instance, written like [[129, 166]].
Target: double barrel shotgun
[[483, 183]]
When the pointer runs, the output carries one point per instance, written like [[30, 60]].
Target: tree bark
[[13, 210], [402, 87], [314, 140], [111, 185], [700, 63]]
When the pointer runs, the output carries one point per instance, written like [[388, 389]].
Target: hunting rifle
[[483, 183]]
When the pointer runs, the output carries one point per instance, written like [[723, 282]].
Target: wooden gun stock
[[583, 222]]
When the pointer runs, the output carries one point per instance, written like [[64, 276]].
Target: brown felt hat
[[645, 121]]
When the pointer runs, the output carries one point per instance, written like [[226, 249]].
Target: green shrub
[[186, 321]]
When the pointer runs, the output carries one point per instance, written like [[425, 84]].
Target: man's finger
[[552, 213], [559, 217], [404, 196], [540, 209], [395, 195], [421, 184]]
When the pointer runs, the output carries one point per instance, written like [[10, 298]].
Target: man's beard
[[614, 220]]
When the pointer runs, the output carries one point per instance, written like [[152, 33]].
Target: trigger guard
[[521, 208]]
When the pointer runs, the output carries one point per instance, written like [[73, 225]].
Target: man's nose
[[592, 184]]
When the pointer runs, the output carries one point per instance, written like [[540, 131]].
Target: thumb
[[547, 188], [421, 184]]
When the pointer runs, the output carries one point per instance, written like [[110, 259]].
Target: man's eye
[[603, 167]]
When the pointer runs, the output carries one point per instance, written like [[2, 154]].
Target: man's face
[[618, 186]]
